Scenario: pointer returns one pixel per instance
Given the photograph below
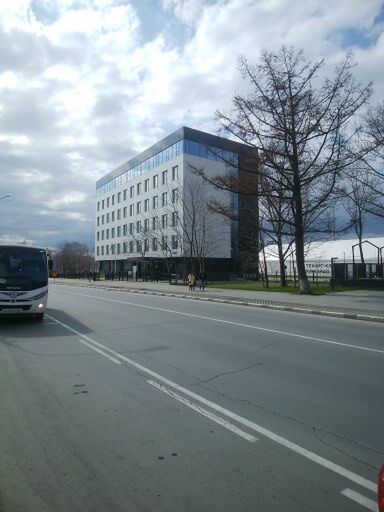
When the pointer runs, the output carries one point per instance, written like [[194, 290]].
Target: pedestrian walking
[[191, 280]]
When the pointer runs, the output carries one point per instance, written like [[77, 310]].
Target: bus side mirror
[[50, 264]]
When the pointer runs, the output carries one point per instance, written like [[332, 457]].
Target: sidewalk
[[359, 305]]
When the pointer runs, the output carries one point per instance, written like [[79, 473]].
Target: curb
[[304, 310]]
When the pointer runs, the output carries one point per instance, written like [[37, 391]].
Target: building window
[[154, 244], [119, 197], [113, 248], [138, 189], [102, 250], [113, 217], [98, 206], [138, 226], [175, 172], [125, 247], [131, 210], [164, 199], [102, 219], [119, 214], [98, 236], [131, 246], [164, 177], [124, 212], [138, 246], [113, 199], [107, 234], [107, 249], [131, 191], [97, 251], [164, 243], [125, 230], [102, 235], [155, 201], [174, 219], [146, 205], [131, 228], [107, 202], [174, 195], [174, 242], [146, 225], [102, 204], [118, 231], [164, 220], [154, 223], [138, 207], [146, 185], [98, 221], [125, 195], [146, 245], [107, 218], [118, 248], [112, 232], [155, 181]]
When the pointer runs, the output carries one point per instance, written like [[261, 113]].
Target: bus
[[24, 275]]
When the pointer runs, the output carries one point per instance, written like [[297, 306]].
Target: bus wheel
[[39, 316]]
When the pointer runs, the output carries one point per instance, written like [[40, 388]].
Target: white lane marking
[[360, 499], [100, 351], [238, 324], [204, 412], [354, 477]]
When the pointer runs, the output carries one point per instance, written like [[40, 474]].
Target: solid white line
[[238, 324], [204, 412], [250, 424], [360, 499], [100, 351]]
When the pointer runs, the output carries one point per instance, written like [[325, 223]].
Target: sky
[[87, 84]]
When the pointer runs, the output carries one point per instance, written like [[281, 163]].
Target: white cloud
[[82, 90]]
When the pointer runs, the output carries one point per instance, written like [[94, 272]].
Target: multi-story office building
[[151, 212]]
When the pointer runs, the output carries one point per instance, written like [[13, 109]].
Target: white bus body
[[23, 280]]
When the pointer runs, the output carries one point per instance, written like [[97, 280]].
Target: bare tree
[[141, 236], [359, 193], [194, 224], [372, 135], [74, 258], [277, 219], [303, 131]]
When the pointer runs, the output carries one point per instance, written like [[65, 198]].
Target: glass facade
[[187, 147]]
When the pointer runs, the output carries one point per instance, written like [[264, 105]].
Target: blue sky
[[87, 84]]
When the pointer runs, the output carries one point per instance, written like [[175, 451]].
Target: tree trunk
[[265, 269], [304, 288], [283, 280], [360, 236]]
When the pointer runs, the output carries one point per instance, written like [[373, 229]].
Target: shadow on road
[[26, 327]]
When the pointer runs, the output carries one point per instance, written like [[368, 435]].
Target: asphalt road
[[129, 402]]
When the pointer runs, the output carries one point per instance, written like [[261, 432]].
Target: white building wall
[[131, 203], [111, 232]]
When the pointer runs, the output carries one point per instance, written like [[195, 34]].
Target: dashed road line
[[309, 455], [360, 499], [204, 412]]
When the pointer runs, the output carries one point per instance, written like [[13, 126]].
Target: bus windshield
[[22, 268]]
